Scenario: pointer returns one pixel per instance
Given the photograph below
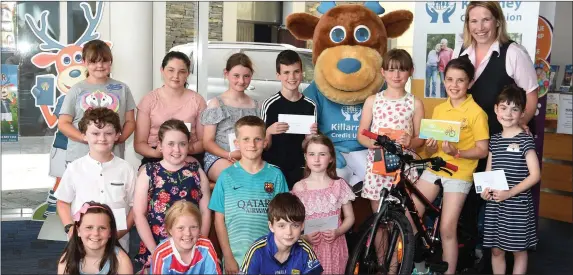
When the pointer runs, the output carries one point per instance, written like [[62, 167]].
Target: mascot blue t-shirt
[[336, 121]]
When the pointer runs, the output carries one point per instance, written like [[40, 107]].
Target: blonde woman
[[499, 62]]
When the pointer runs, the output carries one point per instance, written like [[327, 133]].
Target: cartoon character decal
[[99, 99], [70, 70], [67, 59], [8, 99]]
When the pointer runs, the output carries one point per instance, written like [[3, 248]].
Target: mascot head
[[348, 44]]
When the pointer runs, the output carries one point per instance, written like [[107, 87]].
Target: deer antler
[[93, 21], [49, 44]]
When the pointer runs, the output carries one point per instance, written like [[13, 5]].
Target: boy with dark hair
[[285, 150], [282, 251], [99, 176], [242, 194]]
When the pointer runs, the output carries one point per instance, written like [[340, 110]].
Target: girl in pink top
[[325, 195], [172, 101]]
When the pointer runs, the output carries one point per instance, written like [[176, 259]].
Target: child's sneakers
[[416, 272], [51, 201]]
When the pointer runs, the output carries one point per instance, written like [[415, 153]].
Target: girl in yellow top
[[472, 146]]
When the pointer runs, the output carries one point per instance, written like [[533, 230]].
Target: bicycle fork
[[382, 209]]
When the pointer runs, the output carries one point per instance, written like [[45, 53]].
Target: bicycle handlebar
[[390, 146], [451, 167]]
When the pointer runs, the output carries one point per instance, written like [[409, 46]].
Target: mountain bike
[[391, 220]]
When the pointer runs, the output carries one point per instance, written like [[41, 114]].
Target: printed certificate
[[444, 130], [322, 224]]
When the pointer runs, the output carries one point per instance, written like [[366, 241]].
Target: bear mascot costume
[[348, 44]]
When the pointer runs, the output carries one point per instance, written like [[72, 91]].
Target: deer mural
[[69, 71], [68, 60]]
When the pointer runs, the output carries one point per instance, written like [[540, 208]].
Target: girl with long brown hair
[[94, 245], [325, 195]]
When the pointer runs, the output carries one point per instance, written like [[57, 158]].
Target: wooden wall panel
[[556, 207], [557, 176], [558, 146]]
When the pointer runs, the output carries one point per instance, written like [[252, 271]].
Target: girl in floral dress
[[160, 184], [325, 195]]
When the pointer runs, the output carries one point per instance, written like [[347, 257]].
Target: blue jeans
[[442, 85], [431, 74]]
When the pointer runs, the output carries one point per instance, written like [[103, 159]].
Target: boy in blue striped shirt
[[282, 251], [242, 193]]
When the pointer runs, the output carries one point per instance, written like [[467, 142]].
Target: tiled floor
[[29, 145], [25, 179], [19, 204]]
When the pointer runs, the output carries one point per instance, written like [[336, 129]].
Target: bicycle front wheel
[[383, 257]]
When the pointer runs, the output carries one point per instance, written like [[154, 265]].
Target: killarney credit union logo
[[440, 10]]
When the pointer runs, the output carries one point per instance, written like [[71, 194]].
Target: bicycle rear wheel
[[402, 260]]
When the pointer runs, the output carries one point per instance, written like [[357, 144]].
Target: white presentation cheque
[[297, 124], [120, 218], [232, 138], [322, 224], [493, 179]]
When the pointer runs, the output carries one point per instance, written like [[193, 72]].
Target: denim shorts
[[209, 160]]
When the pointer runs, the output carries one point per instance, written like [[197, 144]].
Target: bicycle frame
[[403, 188], [429, 238]]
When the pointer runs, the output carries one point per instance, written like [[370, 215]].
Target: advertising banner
[[9, 104], [439, 31]]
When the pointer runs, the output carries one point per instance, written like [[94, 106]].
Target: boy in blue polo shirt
[[282, 251], [242, 193]]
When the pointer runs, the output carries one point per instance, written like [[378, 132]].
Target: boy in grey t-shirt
[[114, 95]]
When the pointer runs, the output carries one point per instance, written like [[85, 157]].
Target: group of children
[[259, 224], [510, 218]]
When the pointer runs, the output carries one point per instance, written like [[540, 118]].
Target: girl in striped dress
[[510, 216]]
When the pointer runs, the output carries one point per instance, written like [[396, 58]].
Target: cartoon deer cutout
[[69, 71], [68, 60]]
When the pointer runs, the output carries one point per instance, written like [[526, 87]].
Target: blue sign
[[440, 9], [44, 91]]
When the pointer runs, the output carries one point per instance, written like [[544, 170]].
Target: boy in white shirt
[[99, 176]]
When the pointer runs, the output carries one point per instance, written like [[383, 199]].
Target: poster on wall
[[543, 72], [439, 52], [9, 104], [551, 111], [544, 39], [553, 78], [441, 22], [8, 30], [567, 78], [565, 116]]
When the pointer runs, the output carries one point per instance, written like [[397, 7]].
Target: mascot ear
[[397, 22], [301, 25]]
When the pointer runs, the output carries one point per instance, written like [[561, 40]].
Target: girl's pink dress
[[324, 203]]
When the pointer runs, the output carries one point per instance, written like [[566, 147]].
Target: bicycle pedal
[[438, 267]]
